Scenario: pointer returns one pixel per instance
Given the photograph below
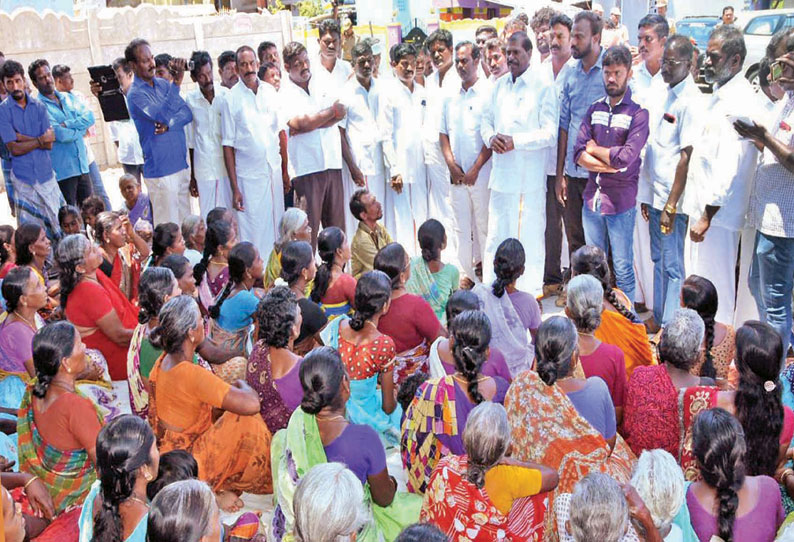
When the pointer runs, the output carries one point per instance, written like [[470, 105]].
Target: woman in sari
[[167, 240], [182, 269], [293, 226], [122, 252], [368, 356], [8, 255], [194, 232], [410, 321], [492, 493], [298, 270], [212, 272], [97, 308], [431, 278], [434, 421], [32, 248], [334, 290], [233, 452], [319, 432], [619, 325]]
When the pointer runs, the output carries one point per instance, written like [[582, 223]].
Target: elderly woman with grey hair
[[584, 306], [294, 226], [662, 400], [184, 511], [194, 232]]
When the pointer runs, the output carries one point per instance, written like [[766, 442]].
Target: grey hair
[[291, 221], [177, 318], [486, 439], [69, 254], [659, 481], [585, 302], [598, 509], [329, 504], [682, 338], [189, 225], [182, 512], [104, 222]]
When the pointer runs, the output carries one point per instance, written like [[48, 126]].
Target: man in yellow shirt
[[370, 236]]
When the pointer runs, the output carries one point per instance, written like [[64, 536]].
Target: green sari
[[294, 451]]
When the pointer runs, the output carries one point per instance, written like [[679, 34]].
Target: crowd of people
[[362, 287]]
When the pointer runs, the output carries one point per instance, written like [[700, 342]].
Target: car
[[698, 28], [758, 29]]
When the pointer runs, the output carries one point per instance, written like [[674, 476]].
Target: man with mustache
[[26, 131], [483, 34], [541, 25], [519, 126], [249, 136], [227, 69], [496, 59], [609, 145]]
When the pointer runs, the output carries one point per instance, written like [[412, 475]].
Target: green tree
[[275, 6], [310, 8]]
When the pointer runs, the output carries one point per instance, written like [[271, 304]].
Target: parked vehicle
[[759, 27], [698, 28]]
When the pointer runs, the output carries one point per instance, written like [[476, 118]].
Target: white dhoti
[[746, 307], [470, 219], [376, 184], [643, 264], [348, 187], [440, 208], [213, 193], [170, 196], [714, 258], [258, 224], [409, 210]]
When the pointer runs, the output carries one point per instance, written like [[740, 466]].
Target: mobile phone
[[191, 65], [775, 71]]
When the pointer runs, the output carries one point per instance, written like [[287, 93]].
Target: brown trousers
[[322, 196]]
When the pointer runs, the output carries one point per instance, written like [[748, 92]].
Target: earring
[[147, 475]]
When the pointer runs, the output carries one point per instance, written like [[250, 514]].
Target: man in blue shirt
[[25, 129], [70, 120], [160, 116]]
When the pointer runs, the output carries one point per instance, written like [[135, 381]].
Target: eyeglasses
[[672, 62]]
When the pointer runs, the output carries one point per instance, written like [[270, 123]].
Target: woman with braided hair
[[333, 289], [212, 272]]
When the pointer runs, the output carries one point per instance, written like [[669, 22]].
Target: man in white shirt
[[402, 113], [208, 179], [468, 158], [250, 153], [483, 34], [541, 26], [496, 59], [227, 69], [311, 112], [519, 125]]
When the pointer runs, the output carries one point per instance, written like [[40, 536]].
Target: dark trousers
[[324, 199], [552, 273], [572, 214], [136, 170], [76, 189]]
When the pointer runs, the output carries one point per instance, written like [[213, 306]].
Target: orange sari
[[630, 337], [233, 453]]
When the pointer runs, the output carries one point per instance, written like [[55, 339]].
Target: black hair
[[177, 263], [356, 206], [217, 213], [163, 59], [595, 21], [508, 265], [243, 49], [591, 260], [732, 41], [556, 345], [199, 59], [165, 234], [241, 257], [461, 300], [759, 360], [67, 210], [421, 532], [35, 65], [264, 67], [59, 70], [471, 331], [617, 55], [156, 283], [224, 58], [276, 314], [360, 49], [121, 64], [27, 234], [329, 26], [700, 295], [175, 466], [475, 51], [718, 444], [264, 46], [660, 25], [321, 374], [51, 344], [726, 8], [131, 50], [523, 39], [122, 447], [442, 35], [13, 286], [329, 241], [561, 18], [295, 257], [763, 72], [11, 68], [407, 390], [391, 260], [92, 205], [373, 291], [681, 46], [486, 28], [398, 52], [219, 232], [431, 236], [6, 235], [291, 51]]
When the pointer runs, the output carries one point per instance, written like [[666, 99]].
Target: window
[[764, 26]]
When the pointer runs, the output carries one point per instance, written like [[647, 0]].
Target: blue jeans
[[667, 253], [96, 183], [615, 232], [773, 269]]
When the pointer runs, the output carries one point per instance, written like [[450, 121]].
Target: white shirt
[[204, 134], [362, 109], [648, 90], [401, 114], [548, 68], [461, 121], [338, 77], [125, 134], [320, 149], [524, 109], [437, 94], [247, 121], [684, 105]]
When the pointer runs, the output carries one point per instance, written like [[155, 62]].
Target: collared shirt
[[166, 153], [124, 133], [402, 112], [247, 124], [362, 107], [648, 90], [69, 119], [437, 94], [722, 166], [320, 149], [524, 109], [559, 79], [32, 120], [677, 125], [461, 121], [366, 244], [623, 129], [579, 91], [204, 134], [338, 77]]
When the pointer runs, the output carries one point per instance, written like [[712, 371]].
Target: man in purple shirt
[[613, 132]]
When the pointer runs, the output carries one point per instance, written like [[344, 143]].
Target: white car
[[759, 27]]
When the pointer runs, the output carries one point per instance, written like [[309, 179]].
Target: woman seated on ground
[[194, 232], [319, 432], [69, 220], [442, 362], [212, 272], [123, 250], [116, 508], [728, 503], [662, 400], [32, 248], [488, 481], [294, 226], [182, 269], [90, 300], [514, 314], [437, 415], [233, 452], [619, 325], [430, 277], [8, 256], [184, 511], [298, 271], [585, 304], [410, 321], [167, 240], [334, 290], [273, 369], [368, 356]]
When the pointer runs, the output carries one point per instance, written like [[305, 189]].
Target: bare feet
[[228, 501]]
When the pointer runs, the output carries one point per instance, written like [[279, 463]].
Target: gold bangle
[[784, 475], [669, 209], [25, 487]]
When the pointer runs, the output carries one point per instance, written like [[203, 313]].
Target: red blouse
[[342, 290], [367, 359], [410, 320]]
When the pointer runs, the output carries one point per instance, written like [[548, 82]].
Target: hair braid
[[612, 297], [708, 369]]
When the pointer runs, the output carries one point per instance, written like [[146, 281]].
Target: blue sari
[[86, 521]]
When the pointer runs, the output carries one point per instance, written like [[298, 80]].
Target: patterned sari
[[260, 377], [422, 283], [630, 336], [547, 429], [465, 513], [295, 450], [234, 341]]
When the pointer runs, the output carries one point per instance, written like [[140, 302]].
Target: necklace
[[28, 322], [62, 386], [136, 499], [463, 380], [370, 322], [583, 334], [219, 263], [331, 418]]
